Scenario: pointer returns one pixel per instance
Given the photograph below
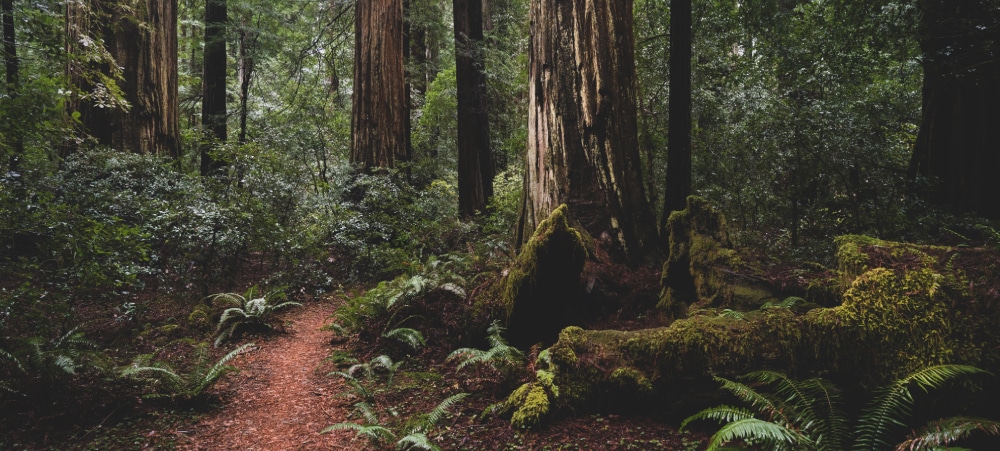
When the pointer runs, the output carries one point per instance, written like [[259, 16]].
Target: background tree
[[475, 160], [958, 147], [214, 116], [582, 142], [378, 119], [12, 71], [131, 103], [678, 186]]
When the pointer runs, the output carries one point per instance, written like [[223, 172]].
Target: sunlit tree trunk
[[379, 114], [246, 68], [141, 44], [475, 162], [958, 146], [678, 183], [582, 138], [213, 102]]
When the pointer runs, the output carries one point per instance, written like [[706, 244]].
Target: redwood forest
[[500, 225]]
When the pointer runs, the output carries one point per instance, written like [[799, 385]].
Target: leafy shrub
[[390, 309], [163, 381], [247, 312]]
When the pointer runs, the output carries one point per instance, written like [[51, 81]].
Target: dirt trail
[[281, 399]]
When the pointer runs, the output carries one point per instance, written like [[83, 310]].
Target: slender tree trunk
[[142, 42], [248, 47], [378, 118], [678, 183], [957, 151], [475, 162], [582, 139], [13, 69], [213, 102]]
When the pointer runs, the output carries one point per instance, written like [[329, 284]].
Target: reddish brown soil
[[282, 398]]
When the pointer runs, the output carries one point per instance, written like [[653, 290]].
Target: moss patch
[[703, 268], [540, 288]]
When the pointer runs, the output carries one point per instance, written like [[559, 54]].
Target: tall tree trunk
[[678, 183], [213, 102], [378, 118], [13, 69], [475, 161], [246, 68], [958, 145], [582, 139], [142, 46]]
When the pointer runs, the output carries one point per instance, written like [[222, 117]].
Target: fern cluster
[[386, 310], [501, 358], [412, 437], [247, 312], [163, 381], [785, 414], [38, 363]]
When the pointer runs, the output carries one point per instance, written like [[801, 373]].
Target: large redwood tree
[[958, 146], [140, 49], [379, 115], [582, 135], [475, 160]]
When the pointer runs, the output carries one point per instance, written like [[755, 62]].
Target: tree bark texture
[[678, 183], [213, 102], [475, 160], [958, 144], [379, 114], [142, 41], [582, 136]]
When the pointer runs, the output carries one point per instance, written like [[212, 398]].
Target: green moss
[[543, 282], [201, 316], [631, 380], [702, 267], [532, 405]]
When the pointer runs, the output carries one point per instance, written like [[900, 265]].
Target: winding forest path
[[281, 399]]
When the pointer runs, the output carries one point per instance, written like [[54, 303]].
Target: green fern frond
[[722, 414], [221, 367], [757, 400], [435, 415], [374, 433], [410, 337], [895, 402], [757, 431], [367, 412], [943, 432], [10, 357], [416, 440], [730, 313]]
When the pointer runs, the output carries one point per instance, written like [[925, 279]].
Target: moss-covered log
[[906, 307]]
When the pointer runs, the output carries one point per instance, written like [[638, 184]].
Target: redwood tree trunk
[[213, 102], [582, 138], [958, 146], [379, 114], [143, 45], [475, 161], [678, 184]]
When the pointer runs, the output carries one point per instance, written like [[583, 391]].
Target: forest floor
[[281, 399]]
